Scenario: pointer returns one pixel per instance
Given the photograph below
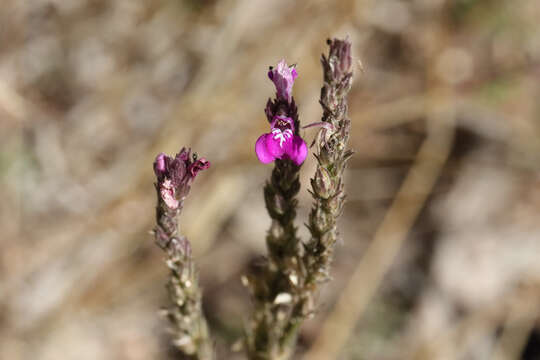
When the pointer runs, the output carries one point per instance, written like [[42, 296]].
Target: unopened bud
[[160, 165], [198, 165], [322, 183], [340, 53]]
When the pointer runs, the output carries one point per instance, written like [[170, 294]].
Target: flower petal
[[198, 165], [294, 74], [167, 192], [273, 145], [262, 152], [297, 150], [160, 165]]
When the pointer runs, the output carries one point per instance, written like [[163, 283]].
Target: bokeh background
[[441, 240]]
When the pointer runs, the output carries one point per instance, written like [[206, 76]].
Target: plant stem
[[332, 155], [284, 286], [188, 324]]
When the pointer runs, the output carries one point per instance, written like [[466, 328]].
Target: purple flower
[[281, 143], [175, 175], [283, 77]]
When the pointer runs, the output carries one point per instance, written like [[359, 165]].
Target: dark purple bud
[[177, 171], [197, 166], [174, 176], [184, 155]]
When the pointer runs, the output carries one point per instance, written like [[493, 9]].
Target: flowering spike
[[175, 175], [274, 287], [189, 328], [332, 155]]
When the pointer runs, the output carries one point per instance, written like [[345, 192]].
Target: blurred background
[[441, 240]]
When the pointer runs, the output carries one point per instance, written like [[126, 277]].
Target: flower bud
[[283, 77], [175, 175], [340, 57], [160, 164], [322, 183], [197, 166]]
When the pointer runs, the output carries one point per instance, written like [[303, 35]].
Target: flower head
[[283, 77], [281, 143], [175, 175]]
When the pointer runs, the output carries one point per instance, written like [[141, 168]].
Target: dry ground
[[441, 238]]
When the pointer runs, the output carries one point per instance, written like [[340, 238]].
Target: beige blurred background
[[441, 240]]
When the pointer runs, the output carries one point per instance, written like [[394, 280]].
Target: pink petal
[[167, 191], [261, 150], [282, 66], [160, 165], [273, 147], [297, 151]]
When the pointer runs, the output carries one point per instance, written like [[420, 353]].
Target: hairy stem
[[332, 155], [274, 284], [284, 286], [188, 324]]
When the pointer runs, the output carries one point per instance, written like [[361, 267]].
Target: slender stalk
[[188, 324], [274, 282], [312, 265], [285, 284], [332, 155]]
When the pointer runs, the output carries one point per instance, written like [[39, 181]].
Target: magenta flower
[[175, 175], [281, 143], [283, 77]]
